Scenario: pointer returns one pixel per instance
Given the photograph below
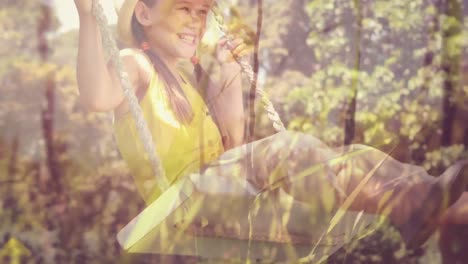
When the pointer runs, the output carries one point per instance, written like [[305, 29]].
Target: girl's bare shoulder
[[137, 62], [139, 68]]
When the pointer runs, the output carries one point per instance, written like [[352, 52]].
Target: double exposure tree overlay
[[345, 71], [396, 70], [61, 193]]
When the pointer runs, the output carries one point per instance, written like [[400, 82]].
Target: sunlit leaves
[[399, 78], [444, 156]]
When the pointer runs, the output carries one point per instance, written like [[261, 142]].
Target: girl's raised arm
[[98, 83]]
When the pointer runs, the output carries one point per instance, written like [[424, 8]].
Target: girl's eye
[[203, 12], [186, 9]]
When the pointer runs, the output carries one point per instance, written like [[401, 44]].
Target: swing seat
[[236, 221]]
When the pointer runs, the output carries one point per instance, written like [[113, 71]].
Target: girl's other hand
[[84, 6], [227, 54]]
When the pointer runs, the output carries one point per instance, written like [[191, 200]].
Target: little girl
[[201, 129]]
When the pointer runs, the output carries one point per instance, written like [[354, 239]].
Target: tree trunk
[[350, 110], [47, 114], [418, 154], [451, 67], [299, 55]]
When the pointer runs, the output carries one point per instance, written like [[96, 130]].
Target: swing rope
[[110, 46], [248, 71]]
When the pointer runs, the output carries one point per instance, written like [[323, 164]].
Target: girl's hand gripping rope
[[228, 51], [228, 54]]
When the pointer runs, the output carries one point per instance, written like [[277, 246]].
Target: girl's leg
[[458, 212], [358, 177], [367, 178], [454, 232]]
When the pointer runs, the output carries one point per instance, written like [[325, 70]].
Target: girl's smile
[[188, 38], [175, 27]]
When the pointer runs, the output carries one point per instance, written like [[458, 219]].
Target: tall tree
[[451, 64]]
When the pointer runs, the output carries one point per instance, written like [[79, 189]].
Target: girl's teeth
[[187, 38]]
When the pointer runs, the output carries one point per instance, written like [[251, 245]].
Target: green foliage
[[315, 55]]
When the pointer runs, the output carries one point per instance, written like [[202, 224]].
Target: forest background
[[345, 71]]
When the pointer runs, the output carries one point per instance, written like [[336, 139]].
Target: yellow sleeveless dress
[[182, 148]]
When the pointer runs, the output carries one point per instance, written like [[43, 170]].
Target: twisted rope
[[247, 70], [110, 46], [267, 104]]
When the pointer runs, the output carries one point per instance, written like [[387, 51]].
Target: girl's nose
[[195, 14]]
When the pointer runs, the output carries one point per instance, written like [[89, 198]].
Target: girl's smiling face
[[174, 27]]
